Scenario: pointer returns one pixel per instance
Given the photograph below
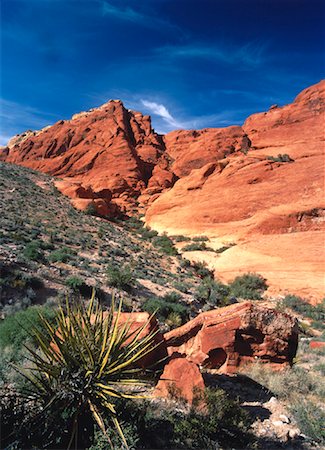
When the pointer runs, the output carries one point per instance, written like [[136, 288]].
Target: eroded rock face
[[227, 338]]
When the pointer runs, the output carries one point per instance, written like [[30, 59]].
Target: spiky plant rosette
[[87, 361]]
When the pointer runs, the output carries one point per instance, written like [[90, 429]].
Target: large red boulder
[[227, 338]]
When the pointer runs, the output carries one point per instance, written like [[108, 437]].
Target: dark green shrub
[[165, 244], [200, 239], [91, 209], [248, 286], [310, 419], [15, 329], [61, 255], [195, 246], [301, 306], [119, 277], [201, 270], [33, 251], [75, 283], [180, 238], [213, 292], [164, 308]]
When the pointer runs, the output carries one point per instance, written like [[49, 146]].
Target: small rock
[[293, 433], [277, 423], [284, 418]]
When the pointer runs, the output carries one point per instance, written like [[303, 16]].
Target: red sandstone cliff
[[217, 182]]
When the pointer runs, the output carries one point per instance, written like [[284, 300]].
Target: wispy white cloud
[[137, 16], [161, 111], [251, 54], [169, 122], [16, 118]]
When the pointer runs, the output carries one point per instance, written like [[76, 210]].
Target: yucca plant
[[86, 362]]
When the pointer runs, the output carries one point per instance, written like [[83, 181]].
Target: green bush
[[301, 306], [310, 419], [79, 373], [248, 286], [164, 308], [165, 244], [33, 251], [119, 277], [201, 270], [15, 329], [180, 238], [195, 246], [214, 292], [151, 426], [75, 283], [61, 255]]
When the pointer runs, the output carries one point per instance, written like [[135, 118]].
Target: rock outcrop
[[106, 156], [228, 338], [223, 339]]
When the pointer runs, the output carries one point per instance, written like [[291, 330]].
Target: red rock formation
[[180, 378], [228, 187], [230, 337], [273, 210], [109, 153]]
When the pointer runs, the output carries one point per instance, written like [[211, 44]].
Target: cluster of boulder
[[221, 340]]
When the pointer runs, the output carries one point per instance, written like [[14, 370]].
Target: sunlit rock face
[[260, 186]]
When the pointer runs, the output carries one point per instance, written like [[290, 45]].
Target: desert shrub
[[164, 308], [249, 286], [15, 329], [195, 246], [223, 423], [301, 306], [64, 255], [74, 282], [201, 270], [33, 251], [280, 158], [287, 384], [81, 371], [180, 238], [200, 238], [147, 234], [214, 292], [91, 209], [310, 419], [165, 244], [119, 277], [182, 286]]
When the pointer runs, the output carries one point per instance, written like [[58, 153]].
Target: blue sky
[[188, 63]]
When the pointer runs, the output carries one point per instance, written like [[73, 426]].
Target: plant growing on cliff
[[84, 363]]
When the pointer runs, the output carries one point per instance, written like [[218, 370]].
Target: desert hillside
[[257, 189]]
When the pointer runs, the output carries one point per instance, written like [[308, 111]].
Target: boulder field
[[259, 186]]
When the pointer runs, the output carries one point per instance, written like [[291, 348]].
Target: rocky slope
[[229, 183]]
